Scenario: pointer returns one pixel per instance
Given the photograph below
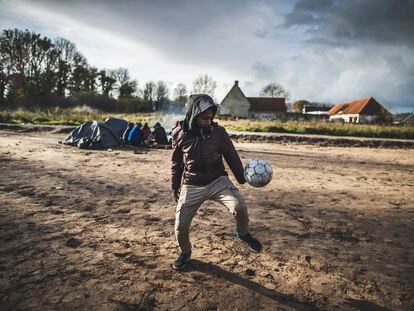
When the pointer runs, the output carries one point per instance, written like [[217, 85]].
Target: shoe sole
[[256, 251], [178, 268]]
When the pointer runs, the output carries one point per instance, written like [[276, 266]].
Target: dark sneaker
[[254, 244], [180, 262]]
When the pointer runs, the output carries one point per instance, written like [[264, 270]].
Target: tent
[[93, 135], [118, 125]]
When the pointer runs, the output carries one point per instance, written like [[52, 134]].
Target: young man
[[198, 147]]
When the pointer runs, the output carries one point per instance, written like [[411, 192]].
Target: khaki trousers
[[221, 190]]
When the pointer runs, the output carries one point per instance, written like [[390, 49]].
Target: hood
[[197, 104]]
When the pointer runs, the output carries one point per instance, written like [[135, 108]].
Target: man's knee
[[182, 223], [237, 207], [181, 228]]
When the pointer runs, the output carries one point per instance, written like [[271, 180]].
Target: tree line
[[38, 72]]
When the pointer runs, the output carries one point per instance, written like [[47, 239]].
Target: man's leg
[[191, 198], [226, 193]]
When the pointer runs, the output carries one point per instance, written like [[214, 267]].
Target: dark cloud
[[383, 22], [368, 44], [179, 19], [323, 50], [313, 5], [214, 29], [406, 91], [299, 18], [263, 71], [262, 33]]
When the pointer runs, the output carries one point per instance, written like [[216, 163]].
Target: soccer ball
[[258, 173]]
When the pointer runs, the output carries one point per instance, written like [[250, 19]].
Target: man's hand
[[176, 194]]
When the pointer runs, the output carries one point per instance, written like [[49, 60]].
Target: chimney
[[236, 82]]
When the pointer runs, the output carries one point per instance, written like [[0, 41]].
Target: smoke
[[168, 121]]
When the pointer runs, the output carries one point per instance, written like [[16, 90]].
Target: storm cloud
[[369, 46], [320, 50], [348, 22]]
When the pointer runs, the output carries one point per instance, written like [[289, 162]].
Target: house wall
[[317, 112], [354, 118], [367, 118], [264, 115], [347, 118], [235, 104]]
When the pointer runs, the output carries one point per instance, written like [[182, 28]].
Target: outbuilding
[[365, 110], [236, 104]]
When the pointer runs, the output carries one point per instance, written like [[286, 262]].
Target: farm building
[[236, 104], [365, 110], [404, 118]]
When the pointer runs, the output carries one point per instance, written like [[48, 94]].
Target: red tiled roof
[[367, 105], [267, 104]]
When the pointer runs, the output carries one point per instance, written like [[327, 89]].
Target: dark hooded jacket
[[197, 152]]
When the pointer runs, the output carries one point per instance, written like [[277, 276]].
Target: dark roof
[[367, 105], [267, 104], [405, 117]]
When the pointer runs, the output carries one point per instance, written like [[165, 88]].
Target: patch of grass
[[78, 115], [321, 128]]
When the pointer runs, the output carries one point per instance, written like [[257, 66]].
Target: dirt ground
[[93, 230]]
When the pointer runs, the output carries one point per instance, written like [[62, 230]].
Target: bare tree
[[180, 94], [275, 90], [148, 93], [161, 95], [204, 84]]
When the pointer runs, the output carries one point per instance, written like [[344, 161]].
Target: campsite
[[93, 230]]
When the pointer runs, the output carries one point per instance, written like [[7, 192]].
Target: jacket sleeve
[[232, 157], [177, 167]]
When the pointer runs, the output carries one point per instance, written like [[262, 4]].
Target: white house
[[236, 104]]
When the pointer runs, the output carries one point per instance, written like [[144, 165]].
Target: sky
[[327, 51]]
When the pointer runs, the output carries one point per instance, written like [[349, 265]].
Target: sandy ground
[[93, 230]]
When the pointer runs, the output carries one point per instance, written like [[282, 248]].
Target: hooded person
[[134, 136], [159, 134], [126, 133], [146, 130], [198, 173]]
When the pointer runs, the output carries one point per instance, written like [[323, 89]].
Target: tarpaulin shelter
[[93, 135], [118, 125]]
